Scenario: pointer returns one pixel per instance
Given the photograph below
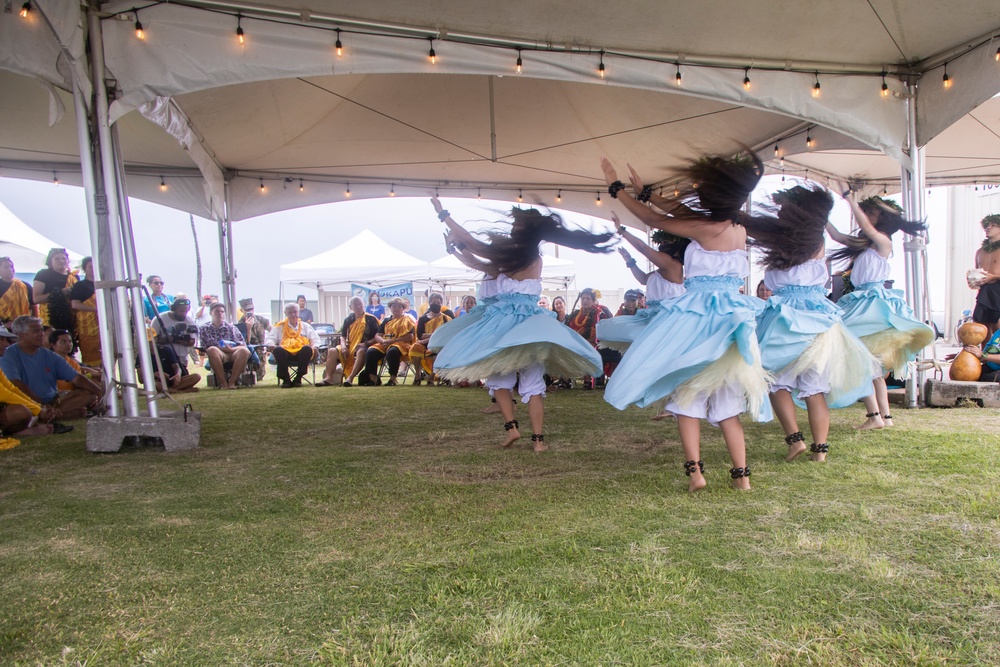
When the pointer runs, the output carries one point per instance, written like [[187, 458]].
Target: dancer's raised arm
[[462, 235], [675, 224], [660, 260], [881, 241]]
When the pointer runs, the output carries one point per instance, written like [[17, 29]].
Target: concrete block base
[[175, 430], [946, 393]]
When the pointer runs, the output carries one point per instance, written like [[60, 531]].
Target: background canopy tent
[[26, 247], [557, 273], [365, 259]]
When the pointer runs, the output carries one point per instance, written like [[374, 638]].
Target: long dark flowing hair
[[517, 250], [790, 231], [716, 187], [887, 217]]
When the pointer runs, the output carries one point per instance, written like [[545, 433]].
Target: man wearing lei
[[988, 281], [392, 342], [584, 321], [356, 335], [292, 341], [435, 316]]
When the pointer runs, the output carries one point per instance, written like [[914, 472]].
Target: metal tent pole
[[123, 333], [915, 246], [98, 249]]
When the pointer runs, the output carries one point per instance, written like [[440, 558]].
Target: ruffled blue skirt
[[621, 331], [701, 343], [449, 330], [513, 333], [884, 322], [805, 345]]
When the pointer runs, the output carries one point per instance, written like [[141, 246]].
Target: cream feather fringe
[[834, 354], [728, 370], [619, 345], [894, 348], [558, 362]]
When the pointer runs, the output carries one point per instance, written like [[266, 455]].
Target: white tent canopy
[[556, 271], [364, 259], [26, 247]]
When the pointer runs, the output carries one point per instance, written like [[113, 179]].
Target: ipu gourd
[[966, 366]]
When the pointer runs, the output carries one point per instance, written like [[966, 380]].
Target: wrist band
[[631, 262], [846, 193], [645, 195], [443, 214], [615, 188]]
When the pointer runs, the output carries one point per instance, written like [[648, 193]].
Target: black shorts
[[987, 304]]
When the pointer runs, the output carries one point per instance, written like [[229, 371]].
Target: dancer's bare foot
[[512, 433], [818, 457], [887, 420], [697, 482], [538, 443], [741, 478], [741, 484], [795, 449], [491, 409], [873, 422]]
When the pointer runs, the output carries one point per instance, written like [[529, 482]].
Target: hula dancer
[[515, 340], [876, 315], [803, 342], [700, 351]]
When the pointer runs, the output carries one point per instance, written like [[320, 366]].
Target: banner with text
[[402, 290]]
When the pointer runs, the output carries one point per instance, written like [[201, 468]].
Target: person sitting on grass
[[35, 371], [356, 335], [61, 342], [421, 359], [223, 343], [20, 416], [392, 343]]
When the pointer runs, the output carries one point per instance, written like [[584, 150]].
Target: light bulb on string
[[26, 9], [885, 190], [347, 192], [139, 34], [997, 56], [946, 80], [782, 161], [678, 79], [677, 192], [55, 176], [239, 30], [559, 196], [339, 45], [885, 86], [392, 189], [746, 79], [809, 140], [782, 175], [520, 197], [431, 54], [600, 66], [777, 150], [598, 202], [262, 188], [163, 185], [816, 88], [517, 66], [479, 193]]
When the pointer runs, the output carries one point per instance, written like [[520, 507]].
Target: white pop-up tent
[[557, 272], [365, 259], [26, 247], [321, 100]]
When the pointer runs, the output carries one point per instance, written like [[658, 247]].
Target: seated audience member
[[543, 302], [21, 416], [175, 376], [584, 321], [158, 301], [50, 290], [62, 344], [356, 335], [641, 297], [15, 295], [375, 306], [421, 359], [392, 343], [631, 304], [305, 314], [176, 337], [35, 371], [254, 329], [223, 343], [6, 339], [468, 303], [292, 341]]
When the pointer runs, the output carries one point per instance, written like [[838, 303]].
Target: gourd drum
[[966, 367]]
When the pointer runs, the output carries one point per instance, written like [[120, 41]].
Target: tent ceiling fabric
[[201, 111]]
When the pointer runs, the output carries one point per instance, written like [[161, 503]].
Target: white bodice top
[[659, 288], [487, 287], [870, 267], [701, 262], [507, 285], [807, 274]]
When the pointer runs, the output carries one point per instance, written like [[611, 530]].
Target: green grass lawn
[[383, 526]]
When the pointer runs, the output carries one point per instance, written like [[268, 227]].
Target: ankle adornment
[[511, 424], [691, 466], [794, 437], [820, 448], [537, 437], [887, 416], [872, 414], [737, 473]]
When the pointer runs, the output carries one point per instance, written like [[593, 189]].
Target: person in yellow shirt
[[15, 296], [292, 341], [421, 359], [392, 343]]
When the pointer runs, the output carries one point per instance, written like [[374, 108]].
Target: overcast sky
[[164, 243]]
